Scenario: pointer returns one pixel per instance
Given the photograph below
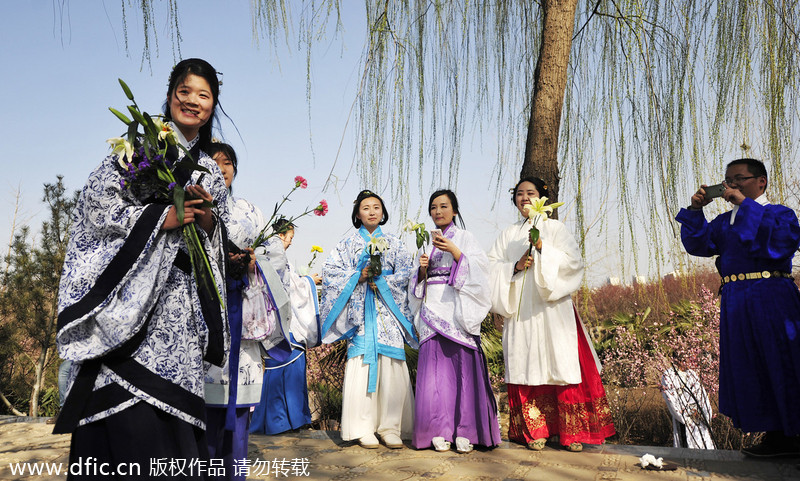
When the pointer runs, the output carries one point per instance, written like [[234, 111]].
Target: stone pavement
[[322, 455]]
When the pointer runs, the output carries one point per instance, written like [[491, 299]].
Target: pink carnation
[[322, 208], [299, 181]]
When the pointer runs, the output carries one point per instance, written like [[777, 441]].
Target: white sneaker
[[392, 441], [440, 445], [462, 445], [369, 441]]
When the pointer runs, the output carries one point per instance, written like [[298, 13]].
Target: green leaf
[[120, 115], [125, 89], [178, 194], [137, 116], [149, 125], [133, 127], [166, 178]]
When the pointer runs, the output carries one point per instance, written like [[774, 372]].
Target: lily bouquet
[[148, 161], [376, 246], [269, 231]]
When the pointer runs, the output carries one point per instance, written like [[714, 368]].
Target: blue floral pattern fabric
[[245, 222], [340, 266], [177, 337]]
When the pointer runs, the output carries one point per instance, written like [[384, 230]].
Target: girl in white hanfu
[[284, 397], [449, 294], [367, 305], [552, 371], [230, 391], [131, 315]]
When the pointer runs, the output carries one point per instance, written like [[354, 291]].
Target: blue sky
[[61, 70]]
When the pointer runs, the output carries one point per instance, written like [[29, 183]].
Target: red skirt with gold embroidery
[[577, 413]]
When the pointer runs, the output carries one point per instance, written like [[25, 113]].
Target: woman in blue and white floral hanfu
[[131, 316], [368, 308], [232, 390]]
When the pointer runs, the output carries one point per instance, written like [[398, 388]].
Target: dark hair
[[541, 187], [225, 149], [453, 202], [366, 194], [282, 225], [755, 167], [201, 68]]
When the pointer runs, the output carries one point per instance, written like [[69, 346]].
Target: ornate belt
[[754, 275]]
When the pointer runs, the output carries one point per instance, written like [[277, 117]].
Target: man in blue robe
[[759, 370]]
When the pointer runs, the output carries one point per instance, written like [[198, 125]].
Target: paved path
[[322, 455]]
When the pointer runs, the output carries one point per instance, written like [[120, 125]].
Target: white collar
[[186, 143], [761, 199]]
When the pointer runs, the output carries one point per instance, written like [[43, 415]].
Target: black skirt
[[140, 442]]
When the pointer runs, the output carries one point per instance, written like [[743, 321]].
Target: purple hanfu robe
[[454, 395]]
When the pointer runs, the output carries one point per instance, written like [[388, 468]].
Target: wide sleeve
[[401, 264], [469, 277], [558, 267], [501, 270], [767, 231], [339, 269], [696, 233], [416, 286], [117, 261], [305, 309]]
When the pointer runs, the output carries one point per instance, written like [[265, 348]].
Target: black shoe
[[772, 450]]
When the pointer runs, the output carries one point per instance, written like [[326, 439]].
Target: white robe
[[689, 405], [245, 222], [457, 303], [540, 336]]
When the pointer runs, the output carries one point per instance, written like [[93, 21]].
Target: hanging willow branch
[[659, 96]]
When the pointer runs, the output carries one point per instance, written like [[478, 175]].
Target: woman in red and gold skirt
[[552, 371]]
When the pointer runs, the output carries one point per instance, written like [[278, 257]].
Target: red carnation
[[299, 181], [322, 208]]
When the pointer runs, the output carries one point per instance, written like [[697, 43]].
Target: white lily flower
[[537, 208], [409, 226], [165, 131], [119, 145], [377, 245]]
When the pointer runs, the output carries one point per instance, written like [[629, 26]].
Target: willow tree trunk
[[550, 82]]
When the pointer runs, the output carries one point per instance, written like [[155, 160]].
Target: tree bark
[[550, 82]]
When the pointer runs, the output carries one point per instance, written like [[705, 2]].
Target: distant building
[[613, 281], [639, 280]]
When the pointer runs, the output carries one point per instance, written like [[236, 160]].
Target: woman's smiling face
[[191, 105], [525, 192]]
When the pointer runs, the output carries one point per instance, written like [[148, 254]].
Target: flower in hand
[[536, 210]]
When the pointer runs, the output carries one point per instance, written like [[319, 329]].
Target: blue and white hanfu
[[377, 394], [129, 304]]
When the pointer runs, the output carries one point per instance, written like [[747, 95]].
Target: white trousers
[[388, 410]]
